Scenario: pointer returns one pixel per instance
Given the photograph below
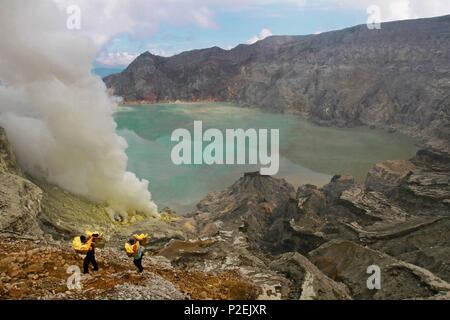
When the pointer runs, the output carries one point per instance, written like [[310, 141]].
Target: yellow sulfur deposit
[[167, 217]]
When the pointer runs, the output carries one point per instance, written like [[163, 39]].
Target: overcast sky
[[125, 28]]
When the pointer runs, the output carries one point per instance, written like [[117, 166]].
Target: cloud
[[115, 59], [204, 18], [103, 20], [264, 33], [400, 9]]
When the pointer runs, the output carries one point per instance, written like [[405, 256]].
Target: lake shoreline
[[421, 141]]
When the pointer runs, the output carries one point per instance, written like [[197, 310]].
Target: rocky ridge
[[399, 219]]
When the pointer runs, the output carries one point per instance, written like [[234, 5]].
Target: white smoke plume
[[57, 115]]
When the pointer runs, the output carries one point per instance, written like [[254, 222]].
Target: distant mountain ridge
[[396, 77]]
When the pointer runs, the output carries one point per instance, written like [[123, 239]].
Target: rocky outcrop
[[395, 77], [344, 224], [387, 176], [431, 184], [372, 204], [229, 252], [250, 207], [8, 161], [20, 205], [337, 185], [410, 208], [311, 283], [425, 243], [347, 262], [20, 199]]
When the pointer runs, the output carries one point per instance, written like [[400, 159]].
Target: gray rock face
[[388, 175], [427, 188], [347, 262], [153, 287], [20, 205], [396, 77], [425, 244], [312, 283], [373, 205], [337, 186], [229, 252], [20, 199], [8, 161], [251, 205], [430, 188], [409, 211]]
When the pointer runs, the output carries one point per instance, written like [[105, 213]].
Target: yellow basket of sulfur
[[81, 247], [94, 234], [131, 249], [97, 238], [141, 238]]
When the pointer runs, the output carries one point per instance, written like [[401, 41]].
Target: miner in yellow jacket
[[135, 248], [138, 252], [88, 243]]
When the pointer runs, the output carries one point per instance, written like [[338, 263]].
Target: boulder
[[387, 176], [348, 262], [309, 282], [427, 190], [337, 185], [311, 200], [210, 230], [426, 245], [432, 159], [372, 204]]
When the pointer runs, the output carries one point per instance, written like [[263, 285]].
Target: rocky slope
[[20, 200], [399, 220], [38, 270], [397, 77]]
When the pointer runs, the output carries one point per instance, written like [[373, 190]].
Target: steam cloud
[[57, 115]]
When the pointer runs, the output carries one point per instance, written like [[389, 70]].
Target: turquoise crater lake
[[308, 153]]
